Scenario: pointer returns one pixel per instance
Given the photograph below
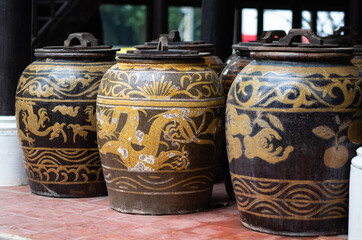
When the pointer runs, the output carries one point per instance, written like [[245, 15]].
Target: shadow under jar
[[290, 131], [55, 112], [159, 131]]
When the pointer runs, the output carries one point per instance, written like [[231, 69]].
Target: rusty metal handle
[[85, 39], [348, 31], [293, 34], [272, 35], [162, 44]]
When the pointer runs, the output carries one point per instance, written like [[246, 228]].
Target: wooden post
[[260, 20], [218, 25], [297, 18], [15, 50], [355, 8], [237, 25], [160, 17]]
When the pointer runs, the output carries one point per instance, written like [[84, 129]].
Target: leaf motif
[[275, 121], [341, 139], [262, 123], [344, 125], [324, 132], [338, 120]]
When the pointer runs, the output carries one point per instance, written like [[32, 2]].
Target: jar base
[[68, 191], [160, 204], [301, 233]]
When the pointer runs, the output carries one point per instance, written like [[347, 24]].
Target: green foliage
[[123, 24], [175, 16]]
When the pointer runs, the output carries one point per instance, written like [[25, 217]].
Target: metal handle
[[84, 39], [293, 34], [162, 44], [273, 35]]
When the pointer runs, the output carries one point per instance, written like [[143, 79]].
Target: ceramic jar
[[355, 196], [236, 63], [12, 171], [55, 111], [292, 121], [206, 50], [159, 131]]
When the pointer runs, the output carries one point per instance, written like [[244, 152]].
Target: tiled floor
[[24, 215]]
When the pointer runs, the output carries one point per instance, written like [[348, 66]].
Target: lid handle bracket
[[162, 44], [294, 34], [85, 39]]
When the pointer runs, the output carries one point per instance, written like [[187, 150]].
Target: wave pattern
[[63, 166], [131, 182], [291, 199]]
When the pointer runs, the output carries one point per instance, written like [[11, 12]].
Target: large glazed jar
[[159, 130], [236, 63], [292, 126], [206, 50], [55, 111]]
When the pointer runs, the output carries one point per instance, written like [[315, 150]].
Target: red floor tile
[[38, 217]]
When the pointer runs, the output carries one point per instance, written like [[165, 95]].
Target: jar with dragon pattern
[[55, 111], [159, 131], [236, 63], [292, 126]]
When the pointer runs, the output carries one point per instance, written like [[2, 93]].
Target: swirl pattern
[[326, 90]]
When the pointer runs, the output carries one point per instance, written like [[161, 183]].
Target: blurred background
[[29, 24]]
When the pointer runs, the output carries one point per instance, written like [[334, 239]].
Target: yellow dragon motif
[[33, 123], [140, 151], [81, 130], [258, 145]]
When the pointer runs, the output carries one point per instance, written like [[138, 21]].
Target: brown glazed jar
[[55, 111], [236, 63], [206, 50], [159, 131], [292, 120]]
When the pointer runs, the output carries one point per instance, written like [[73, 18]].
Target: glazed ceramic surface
[[293, 123], [55, 110], [232, 69], [159, 129]]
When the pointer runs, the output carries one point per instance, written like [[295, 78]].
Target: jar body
[[237, 62], [214, 62], [290, 132], [159, 130], [55, 111]]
